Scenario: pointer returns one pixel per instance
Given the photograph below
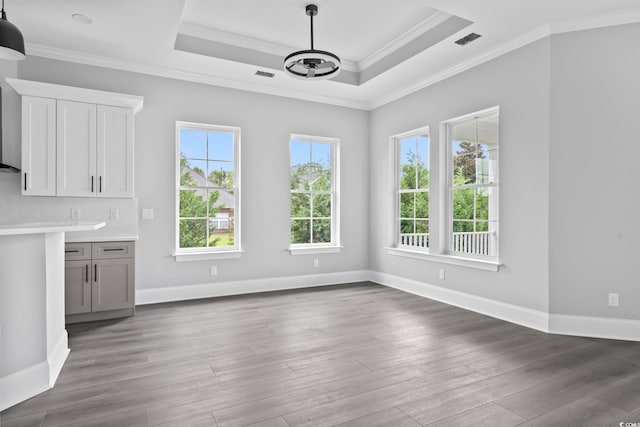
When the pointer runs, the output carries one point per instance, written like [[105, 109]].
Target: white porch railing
[[473, 243]]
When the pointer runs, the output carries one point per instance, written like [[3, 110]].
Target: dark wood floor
[[359, 355]]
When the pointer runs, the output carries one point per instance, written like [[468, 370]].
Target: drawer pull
[[86, 273], [71, 251], [113, 249]]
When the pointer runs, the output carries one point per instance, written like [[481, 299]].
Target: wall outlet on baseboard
[[614, 300], [441, 274], [214, 270]]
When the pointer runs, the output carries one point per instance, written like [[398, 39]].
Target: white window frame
[[423, 131], [334, 245], [448, 237], [199, 254]]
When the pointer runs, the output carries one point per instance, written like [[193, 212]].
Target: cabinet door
[[115, 152], [76, 148], [77, 287], [38, 146], [113, 285]]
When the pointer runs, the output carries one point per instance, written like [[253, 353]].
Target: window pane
[[408, 152], [321, 154], [220, 146], [463, 203], [320, 178], [221, 218], [407, 205], [192, 203], [321, 205], [406, 226], [193, 172], [321, 230], [193, 143], [193, 233], [300, 231], [462, 226], [482, 203], [488, 130], [422, 226], [300, 205], [423, 161], [464, 168], [482, 226], [220, 174], [300, 153], [422, 204]]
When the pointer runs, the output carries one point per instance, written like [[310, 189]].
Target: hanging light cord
[[310, 15], [4, 15]]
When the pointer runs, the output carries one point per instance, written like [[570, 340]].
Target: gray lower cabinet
[[99, 281]]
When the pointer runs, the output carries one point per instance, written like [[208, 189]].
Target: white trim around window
[[302, 166], [211, 160]]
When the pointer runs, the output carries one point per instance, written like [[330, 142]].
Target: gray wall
[[266, 123], [519, 83], [595, 152]]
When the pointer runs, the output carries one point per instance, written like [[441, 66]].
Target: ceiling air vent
[[468, 39], [265, 74]]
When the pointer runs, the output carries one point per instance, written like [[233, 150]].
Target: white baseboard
[[595, 327], [24, 384], [585, 326], [512, 313], [57, 357], [218, 289]]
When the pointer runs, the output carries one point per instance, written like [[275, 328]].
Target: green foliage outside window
[[310, 203]]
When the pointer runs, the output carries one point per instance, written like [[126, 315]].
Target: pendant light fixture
[[312, 64], [11, 40]]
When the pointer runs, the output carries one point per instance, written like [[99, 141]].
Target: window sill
[[446, 259], [315, 250], [203, 256]]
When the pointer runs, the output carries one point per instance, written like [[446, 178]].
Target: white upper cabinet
[[76, 142], [76, 128], [38, 146], [115, 152]]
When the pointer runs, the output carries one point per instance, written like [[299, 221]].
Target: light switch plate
[[147, 213]]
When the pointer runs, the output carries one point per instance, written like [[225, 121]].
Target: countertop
[[49, 227]]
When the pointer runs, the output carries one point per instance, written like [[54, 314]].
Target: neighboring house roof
[[226, 197]]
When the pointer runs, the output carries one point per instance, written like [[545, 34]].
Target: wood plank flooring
[[354, 355]]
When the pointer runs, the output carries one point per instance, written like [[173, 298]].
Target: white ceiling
[[141, 35]]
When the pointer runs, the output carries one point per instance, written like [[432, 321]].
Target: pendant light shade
[[312, 64], [11, 40]]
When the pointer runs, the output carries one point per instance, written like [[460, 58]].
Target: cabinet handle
[[25, 181], [101, 184], [86, 273], [113, 249], [92, 183], [95, 272], [71, 251]]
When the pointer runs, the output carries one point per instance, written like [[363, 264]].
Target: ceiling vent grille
[[468, 39], [265, 74]]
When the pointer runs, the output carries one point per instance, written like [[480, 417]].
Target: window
[[208, 188], [412, 189], [314, 199], [473, 194]]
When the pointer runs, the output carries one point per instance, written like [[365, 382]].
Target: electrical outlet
[[214, 270], [114, 214], [75, 213], [614, 300], [441, 274], [316, 263], [147, 214]]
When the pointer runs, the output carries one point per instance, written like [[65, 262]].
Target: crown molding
[[619, 17], [411, 34], [159, 71], [500, 50]]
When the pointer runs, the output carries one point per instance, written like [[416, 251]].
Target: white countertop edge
[[49, 227], [101, 238]]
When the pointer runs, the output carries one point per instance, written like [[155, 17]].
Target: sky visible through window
[[408, 150], [304, 152], [198, 146]]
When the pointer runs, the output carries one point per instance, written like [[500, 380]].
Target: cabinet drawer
[[77, 251], [108, 250]]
